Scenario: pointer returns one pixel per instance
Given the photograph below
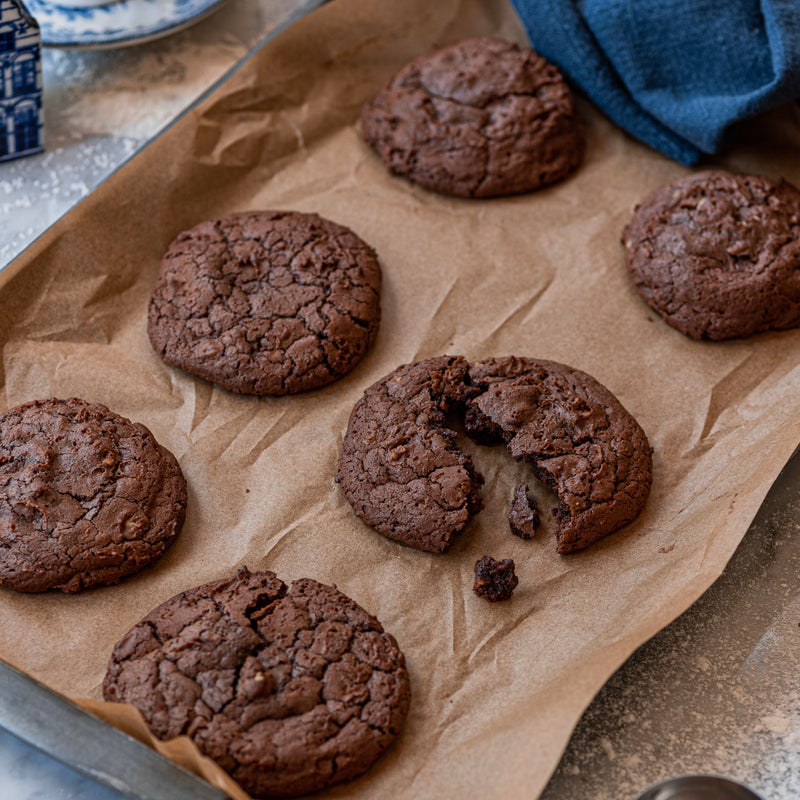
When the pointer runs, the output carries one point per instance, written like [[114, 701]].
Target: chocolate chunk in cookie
[[480, 118], [495, 580], [718, 254], [288, 691], [87, 497], [523, 519], [266, 303], [576, 435], [400, 467]]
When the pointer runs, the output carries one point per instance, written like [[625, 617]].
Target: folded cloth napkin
[[673, 73]]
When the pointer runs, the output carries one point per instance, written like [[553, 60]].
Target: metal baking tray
[[718, 680]]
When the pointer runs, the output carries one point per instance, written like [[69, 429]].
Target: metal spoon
[[698, 787]]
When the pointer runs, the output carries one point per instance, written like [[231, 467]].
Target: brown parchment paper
[[497, 688]]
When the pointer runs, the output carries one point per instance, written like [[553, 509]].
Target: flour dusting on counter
[[145, 99], [710, 693]]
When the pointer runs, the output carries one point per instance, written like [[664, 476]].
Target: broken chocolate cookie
[[403, 474], [575, 434], [400, 467]]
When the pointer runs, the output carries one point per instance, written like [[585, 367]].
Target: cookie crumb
[[495, 580], [523, 519]]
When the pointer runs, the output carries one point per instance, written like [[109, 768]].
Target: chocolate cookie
[[718, 255], [87, 497], [576, 435], [403, 474], [266, 302], [288, 691], [400, 467], [480, 118]]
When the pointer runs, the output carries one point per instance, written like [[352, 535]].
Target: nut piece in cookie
[[479, 118], [576, 435], [266, 302], [495, 580], [717, 255], [400, 468], [289, 691], [87, 497], [523, 519]]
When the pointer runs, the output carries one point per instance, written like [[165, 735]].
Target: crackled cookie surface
[[479, 118], [87, 497], [576, 435], [400, 467], [289, 690], [718, 254], [266, 303], [403, 474]]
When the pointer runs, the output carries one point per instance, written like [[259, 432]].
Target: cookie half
[[87, 497], [717, 255], [403, 474], [266, 302], [576, 435], [400, 467], [479, 118], [289, 691]]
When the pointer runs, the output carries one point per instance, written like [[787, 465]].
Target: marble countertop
[[101, 106], [715, 692]]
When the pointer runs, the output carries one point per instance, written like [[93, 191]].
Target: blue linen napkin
[[673, 73]]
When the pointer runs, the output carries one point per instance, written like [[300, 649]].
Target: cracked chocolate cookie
[[288, 691], [87, 497], [400, 468], [717, 255], [266, 302], [403, 474], [479, 118], [576, 435]]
